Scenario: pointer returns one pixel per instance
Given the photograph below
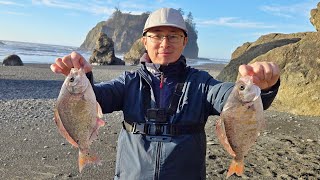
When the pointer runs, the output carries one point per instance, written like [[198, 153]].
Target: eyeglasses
[[171, 38]]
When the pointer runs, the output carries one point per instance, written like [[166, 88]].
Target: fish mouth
[[247, 104], [76, 87], [253, 96], [257, 92], [250, 98], [73, 84]]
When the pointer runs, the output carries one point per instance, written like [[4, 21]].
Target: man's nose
[[164, 41]]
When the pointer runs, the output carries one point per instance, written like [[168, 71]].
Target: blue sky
[[222, 25]]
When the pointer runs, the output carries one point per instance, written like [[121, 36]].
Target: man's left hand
[[265, 74]]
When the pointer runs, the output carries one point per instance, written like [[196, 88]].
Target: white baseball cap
[[165, 17]]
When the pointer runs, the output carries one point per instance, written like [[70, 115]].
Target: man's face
[[164, 50]]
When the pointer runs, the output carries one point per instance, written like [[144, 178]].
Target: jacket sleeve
[[267, 97], [218, 93], [109, 94]]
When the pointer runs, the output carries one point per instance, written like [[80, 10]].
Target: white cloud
[[290, 11], [233, 22], [93, 7], [142, 6], [10, 3], [14, 13], [104, 7]]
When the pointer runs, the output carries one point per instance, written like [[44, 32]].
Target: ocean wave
[[46, 53]]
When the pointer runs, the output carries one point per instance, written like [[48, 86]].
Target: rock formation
[[133, 56], [103, 54], [249, 51], [124, 29], [191, 50], [315, 17], [298, 56], [12, 60]]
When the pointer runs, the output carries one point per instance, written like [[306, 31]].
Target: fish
[[240, 122], [78, 115]]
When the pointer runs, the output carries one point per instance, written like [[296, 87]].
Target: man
[[165, 103]]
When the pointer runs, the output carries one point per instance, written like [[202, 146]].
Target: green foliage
[[189, 20], [117, 13], [181, 11]]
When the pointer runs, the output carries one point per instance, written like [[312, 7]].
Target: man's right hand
[[73, 60]]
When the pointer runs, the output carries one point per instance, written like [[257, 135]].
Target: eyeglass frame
[[159, 40]]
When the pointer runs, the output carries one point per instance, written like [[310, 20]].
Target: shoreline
[[32, 148]]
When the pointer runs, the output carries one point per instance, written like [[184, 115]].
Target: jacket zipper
[[158, 156], [161, 105], [158, 162]]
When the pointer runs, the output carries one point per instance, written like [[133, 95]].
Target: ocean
[[47, 53]]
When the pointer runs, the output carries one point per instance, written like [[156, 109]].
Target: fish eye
[[242, 87], [71, 79]]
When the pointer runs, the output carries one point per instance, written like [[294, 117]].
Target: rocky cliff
[[133, 56], [103, 53], [124, 29], [298, 56], [315, 17]]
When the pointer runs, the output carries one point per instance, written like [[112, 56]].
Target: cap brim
[[170, 25]]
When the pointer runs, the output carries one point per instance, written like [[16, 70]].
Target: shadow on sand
[[29, 89]]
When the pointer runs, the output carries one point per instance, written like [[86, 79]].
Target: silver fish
[[77, 115], [241, 122]]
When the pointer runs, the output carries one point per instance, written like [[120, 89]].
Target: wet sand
[[32, 148]]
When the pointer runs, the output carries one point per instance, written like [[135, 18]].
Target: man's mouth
[[164, 53]]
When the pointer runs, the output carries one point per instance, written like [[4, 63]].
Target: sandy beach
[[32, 148]]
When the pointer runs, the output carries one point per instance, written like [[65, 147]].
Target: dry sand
[[32, 148]]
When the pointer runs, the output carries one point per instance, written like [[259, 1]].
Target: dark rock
[[12, 60], [103, 54], [133, 56]]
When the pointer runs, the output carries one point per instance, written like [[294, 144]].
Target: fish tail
[[236, 167], [86, 157]]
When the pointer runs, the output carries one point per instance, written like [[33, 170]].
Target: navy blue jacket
[[184, 156]]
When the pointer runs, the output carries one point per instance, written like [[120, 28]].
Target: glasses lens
[[160, 38], [174, 38]]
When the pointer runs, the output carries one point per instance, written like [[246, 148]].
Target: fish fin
[[262, 123], [62, 129], [221, 134], [226, 107], [100, 122], [236, 167], [86, 158], [99, 111], [94, 134]]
